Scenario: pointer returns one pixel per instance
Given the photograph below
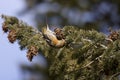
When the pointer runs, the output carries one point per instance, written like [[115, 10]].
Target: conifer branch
[[84, 55]]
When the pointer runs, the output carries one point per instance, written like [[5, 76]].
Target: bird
[[51, 38]]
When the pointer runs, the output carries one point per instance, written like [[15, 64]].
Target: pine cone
[[12, 36], [114, 35], [33, 51], [4, 27], [59, 33]]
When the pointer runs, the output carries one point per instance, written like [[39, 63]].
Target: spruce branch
[[85, 55]]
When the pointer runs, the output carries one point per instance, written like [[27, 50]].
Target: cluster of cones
[[12, 36]]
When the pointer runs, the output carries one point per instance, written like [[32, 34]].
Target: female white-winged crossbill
[[51, 38]]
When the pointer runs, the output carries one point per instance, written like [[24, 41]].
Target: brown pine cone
[[59, 33], [12, 36], [32, 51], [114, 35], [4, 27]]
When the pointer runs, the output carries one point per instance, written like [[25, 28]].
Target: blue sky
[[10, 54]]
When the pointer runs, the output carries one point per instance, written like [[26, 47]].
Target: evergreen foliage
[[87, 54]]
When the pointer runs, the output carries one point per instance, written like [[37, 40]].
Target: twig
[[91, 62], [114, 75]]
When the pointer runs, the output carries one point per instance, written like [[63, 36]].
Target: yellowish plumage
[[50, 35]]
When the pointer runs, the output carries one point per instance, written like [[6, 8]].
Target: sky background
[[10, 55]]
